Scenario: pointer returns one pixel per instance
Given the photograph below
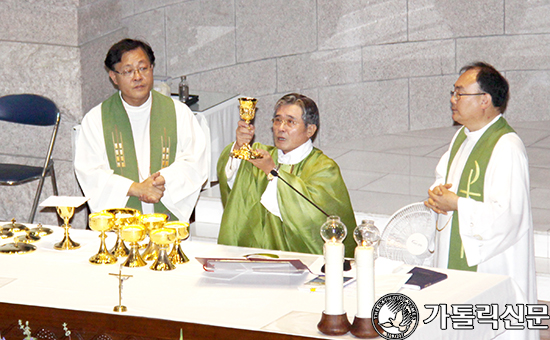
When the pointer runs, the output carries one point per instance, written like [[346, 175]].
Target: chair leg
[[54, 181], [36, 199]]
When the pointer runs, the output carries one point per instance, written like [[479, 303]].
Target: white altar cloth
[[262, 302]]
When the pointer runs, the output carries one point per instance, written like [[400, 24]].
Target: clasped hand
[[441, 199], [150, 190]]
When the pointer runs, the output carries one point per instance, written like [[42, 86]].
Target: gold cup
[[177, 256], [152, 222], [133, 233], [163, 237], [247, 111], [102, 222], [123, 216], [66, 244]]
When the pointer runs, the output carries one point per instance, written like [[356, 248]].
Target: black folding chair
[[30, 109]]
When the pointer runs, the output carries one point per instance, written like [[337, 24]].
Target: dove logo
[[395, 316]]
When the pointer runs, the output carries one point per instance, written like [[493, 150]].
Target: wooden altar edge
[[48, 322]]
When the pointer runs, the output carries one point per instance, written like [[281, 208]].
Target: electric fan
[[409, 235]]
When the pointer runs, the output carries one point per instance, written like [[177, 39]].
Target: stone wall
[[374, 67]]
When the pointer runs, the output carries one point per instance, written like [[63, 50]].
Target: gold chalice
[[247, 111], [177, 256], [133, 233], [123, 216], [102, 222], [163, 237], [152, 222], [66, 244]]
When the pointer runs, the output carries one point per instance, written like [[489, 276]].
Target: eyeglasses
[[143, 70], [457, 95], [289, 122]]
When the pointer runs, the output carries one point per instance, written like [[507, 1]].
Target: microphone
[[275, 173]]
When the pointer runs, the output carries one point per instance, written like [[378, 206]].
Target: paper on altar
[[63, 201]]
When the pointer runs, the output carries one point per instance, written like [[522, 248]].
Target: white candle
[[364, 265], [334, 278]]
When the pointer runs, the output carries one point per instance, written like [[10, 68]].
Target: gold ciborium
[[163, 237], [247, 111], [152, 222], [133, 233], [66, 244], [177, 256], [102, 222], [123, 216]]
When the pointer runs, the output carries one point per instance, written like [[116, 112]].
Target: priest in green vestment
[[262, 211]]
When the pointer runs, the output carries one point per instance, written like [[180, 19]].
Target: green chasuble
[[119, 140], [472, 182], [246, 222]]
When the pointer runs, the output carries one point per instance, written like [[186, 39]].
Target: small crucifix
[[121, 279]]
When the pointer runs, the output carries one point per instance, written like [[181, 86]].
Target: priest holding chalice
[[262, 211]]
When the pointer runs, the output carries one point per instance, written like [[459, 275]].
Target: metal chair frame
[[30, 109]]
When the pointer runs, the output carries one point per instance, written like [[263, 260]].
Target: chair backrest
[[28, 109]]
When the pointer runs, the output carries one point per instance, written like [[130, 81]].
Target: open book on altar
[[250, 264]]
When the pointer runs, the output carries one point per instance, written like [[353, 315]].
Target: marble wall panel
[[149, 27], [518, 52], [527, 16], [352, 111], [529, 100], [270, 28], [430, 102], [48, 70], [97, 19], [252, 79], [96, 84], [39, 22], [440, 19], [348, 23], [408, 60], [318, 69], [200, 36], [141, 6]]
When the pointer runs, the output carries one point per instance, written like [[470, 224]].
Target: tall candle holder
[[334, 320], [367, 237]]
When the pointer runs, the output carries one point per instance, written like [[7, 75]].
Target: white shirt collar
[[297, 155], [478, 133], [141, 111]]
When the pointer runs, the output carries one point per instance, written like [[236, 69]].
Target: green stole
[[119, 140], [472, 182]]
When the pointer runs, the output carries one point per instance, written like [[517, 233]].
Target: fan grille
[[411, 228]]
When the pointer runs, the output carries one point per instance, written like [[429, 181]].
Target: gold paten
[[177, 256], [133, 233], [163, 237], [102, 222], [15, 227], [152, 222], [66, 244], [17, 248], [42, 231], [29, 237], [247, 111], [123, 216]]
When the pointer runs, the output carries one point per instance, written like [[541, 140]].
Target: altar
[[49, 288]]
